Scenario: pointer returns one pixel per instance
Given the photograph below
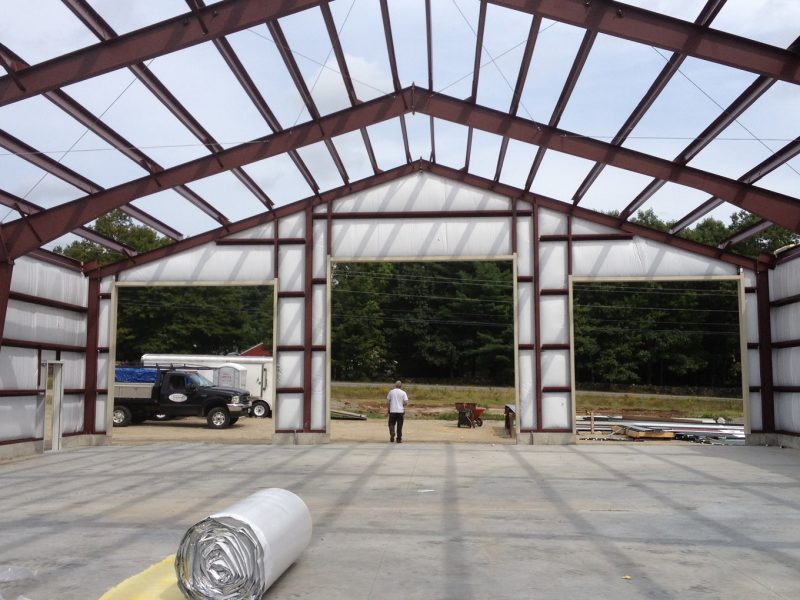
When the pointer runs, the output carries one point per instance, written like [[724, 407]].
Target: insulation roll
[[239, 552]]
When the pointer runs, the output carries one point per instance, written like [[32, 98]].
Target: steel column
[[6, 269], [91, 356], [308, 315], [765, 350]]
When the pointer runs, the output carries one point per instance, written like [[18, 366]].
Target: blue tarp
[[134, 375]]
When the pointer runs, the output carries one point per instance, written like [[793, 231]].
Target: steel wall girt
[[161, 38], [655, 29]]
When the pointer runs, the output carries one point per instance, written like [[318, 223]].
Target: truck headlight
[[235, 400]]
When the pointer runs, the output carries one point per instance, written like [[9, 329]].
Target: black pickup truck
[[178, 393]]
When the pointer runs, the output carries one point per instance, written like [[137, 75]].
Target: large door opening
[[655, 352], [445, 329], [205, 328]]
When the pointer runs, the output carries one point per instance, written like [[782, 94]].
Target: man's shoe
[[391, 439], [399, 441]]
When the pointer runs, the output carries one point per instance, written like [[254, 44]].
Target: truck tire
[[261, 409], [218, 418], [121, 417]]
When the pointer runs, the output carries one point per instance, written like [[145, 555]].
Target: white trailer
[[259, 380]]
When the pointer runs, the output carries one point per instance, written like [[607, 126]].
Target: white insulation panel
[[319, 314], [554, 314], [289, 413], [72, 414], [753, 368], [208, 262], [102, 371], [525, 313], [786, 366], [787, 412], [290, 369], [527, 369], [18, 418], [47, 324], [556, 411], [107, 285], [553, 265], [319, 416], [749, 278], [320, 257], [524, 247], [584, 227], [785, 322], [105, 324], [784, 280], [18, 368], [74, 370], [263, 231], [756, 418], [291, 314], [422, 192], [45, 280], [100, 413], [421, 238], [291, 268], [555, 368], [552, 222], [293, 226], [640, 257], [751, 317]]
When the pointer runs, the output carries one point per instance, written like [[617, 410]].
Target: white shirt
[[397, 399]]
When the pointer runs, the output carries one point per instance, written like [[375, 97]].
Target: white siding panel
[[72, 414], [291, 314], [553, 265], [525, 312], [45, 280], [527, 370], [785, 322], [289, 414], [751, 317], [555, 368], [292, 269], [753, 368], [418, 238], [293, 226], [104, 324], [552, 222], [756, 418], [18, 368], [100, 413], [320, 269], [525, 247], [749, 278], [319, 314], [207, 263], [787, 412], [74, 370], [786, 366], [290, 370], [18, 418], [554, 313], [583, 227], [641, 258], [44, 324], [102, 371], [556, 411], [422, 192], [107, 285], [784, 281], [319, 416]]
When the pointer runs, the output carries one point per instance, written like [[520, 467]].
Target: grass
[[438, 402]]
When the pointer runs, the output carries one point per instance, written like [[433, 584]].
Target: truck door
[[176, 396]]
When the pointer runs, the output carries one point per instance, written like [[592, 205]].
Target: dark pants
[[396, 418]]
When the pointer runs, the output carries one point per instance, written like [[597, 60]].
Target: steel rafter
[[524, 67], [179, 32], [745, 234], [55, 168], [569, 85], [26, 208], [429, 52], [387, 30], [782, 156], [336, 44], [704, 19], [655, 29], [100, 28], [476, 72], [779, 208], [297, 77]]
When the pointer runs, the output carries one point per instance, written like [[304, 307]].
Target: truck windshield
[[199, 380]]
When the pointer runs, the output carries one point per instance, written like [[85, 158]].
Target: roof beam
[[654, 29], [429, 49], [704, 19], [745, 234], [476, 72], [126, 50], [387, 30]]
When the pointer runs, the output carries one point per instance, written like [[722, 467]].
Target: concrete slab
[[424, 520]]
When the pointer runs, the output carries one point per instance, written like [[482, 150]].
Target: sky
[[616, 75]]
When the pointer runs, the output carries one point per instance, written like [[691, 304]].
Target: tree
[[119, 227]]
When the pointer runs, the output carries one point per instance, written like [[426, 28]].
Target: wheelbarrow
[[469, 415]]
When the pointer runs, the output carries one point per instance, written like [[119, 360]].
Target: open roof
[[192, 115]]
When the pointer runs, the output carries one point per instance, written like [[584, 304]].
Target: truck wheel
[[121, 417], [218, 418], [161, 417], [261, 409]]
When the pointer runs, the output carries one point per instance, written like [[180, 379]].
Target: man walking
[[397, 400]]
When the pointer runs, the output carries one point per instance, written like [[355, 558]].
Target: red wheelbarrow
[[469, 415]]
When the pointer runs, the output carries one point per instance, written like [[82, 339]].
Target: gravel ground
[[253, 431]]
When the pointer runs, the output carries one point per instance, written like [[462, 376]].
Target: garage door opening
[[204, 338], [445, 329], [651, 353]]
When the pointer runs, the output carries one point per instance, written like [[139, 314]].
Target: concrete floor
[[426, 521]]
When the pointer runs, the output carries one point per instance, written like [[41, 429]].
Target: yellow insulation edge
[[157, 582]]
